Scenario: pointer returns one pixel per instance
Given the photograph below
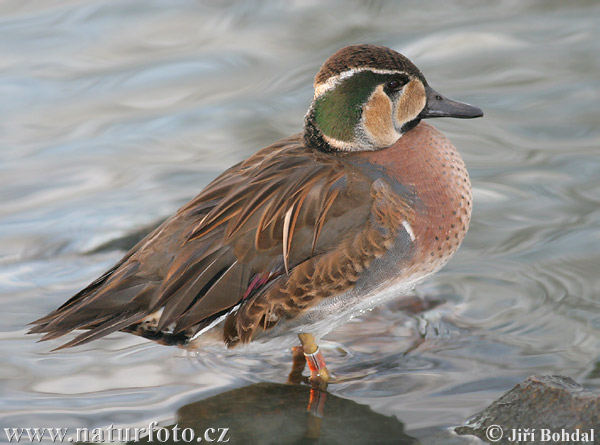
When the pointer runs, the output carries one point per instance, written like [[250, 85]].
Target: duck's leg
[[319, 374], [298, 364], [319, 378]]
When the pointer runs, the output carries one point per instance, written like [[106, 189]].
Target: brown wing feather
[[200, 262], [327, 273]]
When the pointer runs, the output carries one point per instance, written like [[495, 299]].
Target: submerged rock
[[542, 409], [270, 413]]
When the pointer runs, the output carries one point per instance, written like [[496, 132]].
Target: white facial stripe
[[345, 146], [334, 81]]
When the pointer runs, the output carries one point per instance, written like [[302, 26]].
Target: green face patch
[[337, 112]]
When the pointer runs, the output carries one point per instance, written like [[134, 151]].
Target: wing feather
[[259, 218]]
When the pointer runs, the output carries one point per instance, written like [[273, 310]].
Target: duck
[[303, 235]]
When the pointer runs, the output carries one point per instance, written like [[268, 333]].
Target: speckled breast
[[435, 181]]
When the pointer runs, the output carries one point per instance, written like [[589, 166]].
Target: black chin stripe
[[410, 125]]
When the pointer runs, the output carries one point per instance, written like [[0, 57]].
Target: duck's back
[[272, 234]]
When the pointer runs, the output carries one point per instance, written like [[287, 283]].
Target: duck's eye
[[393, 85]]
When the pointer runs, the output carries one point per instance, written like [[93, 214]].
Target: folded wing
[[253, 225]]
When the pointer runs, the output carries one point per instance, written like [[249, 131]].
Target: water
[[116, 113]]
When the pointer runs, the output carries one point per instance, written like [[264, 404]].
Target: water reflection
[[267, 413]]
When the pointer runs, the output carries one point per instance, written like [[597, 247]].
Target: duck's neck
[[313, 137]]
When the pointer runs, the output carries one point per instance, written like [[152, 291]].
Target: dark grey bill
[[440, 106]]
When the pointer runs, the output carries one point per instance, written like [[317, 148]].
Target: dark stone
[[270, 413], [537, 408]]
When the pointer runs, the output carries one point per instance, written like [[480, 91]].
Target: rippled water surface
[[114, 113]]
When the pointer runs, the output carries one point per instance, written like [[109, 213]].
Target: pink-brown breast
[[426, 163]]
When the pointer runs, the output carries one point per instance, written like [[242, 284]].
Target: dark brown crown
[[366, 56]]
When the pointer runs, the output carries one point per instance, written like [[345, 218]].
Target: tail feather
[[103, 307], [111, 325]]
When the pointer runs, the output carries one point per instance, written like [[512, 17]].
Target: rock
[[270, 413], [542, 409]]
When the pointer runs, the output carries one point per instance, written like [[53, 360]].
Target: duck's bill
[[440, 106]]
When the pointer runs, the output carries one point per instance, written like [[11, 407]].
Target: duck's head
[[368, 96]]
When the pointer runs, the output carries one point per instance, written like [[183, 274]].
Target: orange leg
[[298, 364], [319, 378], [316, 407], [319, 374]]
